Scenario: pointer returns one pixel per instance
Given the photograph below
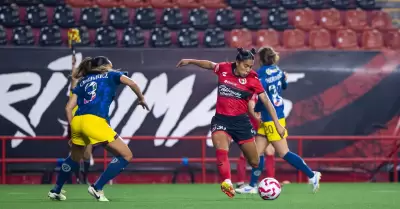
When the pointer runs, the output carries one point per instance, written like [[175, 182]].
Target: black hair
[[92, 65], [99, 61], [245, 54]]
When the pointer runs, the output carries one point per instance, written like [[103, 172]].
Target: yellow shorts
[[91, 129], [268, 130]]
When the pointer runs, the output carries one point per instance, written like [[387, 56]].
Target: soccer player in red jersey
[[237, 83]]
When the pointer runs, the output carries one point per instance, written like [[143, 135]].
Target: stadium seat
[[214, 38], [346, 39], [91, 17], [316, 4], [36, 16], [213, 4], [162, 3], [278, 18], [294, 39], [135, 3], [107, 3], [188, 3], [320, 39], [266, 4], [84, 35], [6, 2], [237, 4], [372, 40], [251, 18], [106, 36], [133, 37], [118, 17], [330, 19], [356, 19], [26, 3], [290, 4], [64, 16], [172, 18], [225, 18], [23, 36], [9, 16], [3, 36], [52, 3], [240, 38], [145, 18], [50, 36], [160, 37], [267, 38], [381, 20], [392, 39], [198, 18], [304, 19], [188, 38], [366, 4], [80, 3], [342, 4]]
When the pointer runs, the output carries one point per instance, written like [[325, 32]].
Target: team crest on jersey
[[269, 71], [242, 81]]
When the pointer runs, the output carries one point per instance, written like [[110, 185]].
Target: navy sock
[[67, 167], [116, 166], [256, 172], [86, 166], [297, 162]]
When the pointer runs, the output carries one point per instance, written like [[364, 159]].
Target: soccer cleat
[[314, 181], [227, 188], [54, 196], [247, 190], [99, 195]]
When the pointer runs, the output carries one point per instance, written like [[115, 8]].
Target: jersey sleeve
[[115, 76], [219, 68], [284, 82], [257, 87], [76, 90]]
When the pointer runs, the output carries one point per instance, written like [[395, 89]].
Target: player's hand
[[281, 130], [144, 104], [286, 75], [73, 61], [183, 62], [70, 143]]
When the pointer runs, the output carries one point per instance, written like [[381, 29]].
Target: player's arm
[[205, 64], [135, 88], [72, 102], [251, 111], [284, 81]]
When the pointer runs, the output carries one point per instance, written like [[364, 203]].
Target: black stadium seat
[[9, 16], [160, 37], [198, 18], [145, 18], [237, 4], [36, 16], [290, 4], [25, 3], [316, 4], [118, 17], [225, 18], [64, 16], [106, 37], [52, 3], [214, 38], [133, 37], [251, 18], [50, 36], [188, 38], [172, 18], [278, 18], [266, 4], [84, 35], [23, 36], [3, 36], [91, 17]]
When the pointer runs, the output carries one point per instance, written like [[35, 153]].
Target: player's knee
[[282, 153], [254, 162]]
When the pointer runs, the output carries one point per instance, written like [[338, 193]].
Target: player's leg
[[87, 158], [270, 161], [241, 171], [221, 141]]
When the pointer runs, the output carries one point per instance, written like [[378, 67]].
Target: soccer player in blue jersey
[[93, 94], [273, 81]]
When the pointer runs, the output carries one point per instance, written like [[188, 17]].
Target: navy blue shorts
[[239, 128]]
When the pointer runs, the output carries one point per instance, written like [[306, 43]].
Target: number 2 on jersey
[[90, 90], [274, 90]]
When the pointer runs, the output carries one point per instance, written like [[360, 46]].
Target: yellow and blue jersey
[[96, 92], [273, 81]]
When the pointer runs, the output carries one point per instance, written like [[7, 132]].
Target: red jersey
[[234, 92], [254, 121]]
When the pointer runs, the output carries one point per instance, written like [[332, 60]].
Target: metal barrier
[[203, 159]]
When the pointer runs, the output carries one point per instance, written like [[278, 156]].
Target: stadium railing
[[203, 159]]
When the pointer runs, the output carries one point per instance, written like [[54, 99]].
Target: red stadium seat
[[346, 39], [304, 19], [213, 3], [241, 38], [135, 3], [372, 39], [381, 20], [330, 19], [268, 37], [162, 3], [356, 19], [320, 39], [294, 39], [392, 39], [108, 3], [188, 3], [80, 3]]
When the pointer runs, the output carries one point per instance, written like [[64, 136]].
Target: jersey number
[[274, 92], [90, 90], [268, 129]]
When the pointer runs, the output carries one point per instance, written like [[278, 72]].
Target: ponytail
[[84, 67], [245, 54], [89, 65]]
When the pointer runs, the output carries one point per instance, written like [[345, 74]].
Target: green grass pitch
[[198, 196]]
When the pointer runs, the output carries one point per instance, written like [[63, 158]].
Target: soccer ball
[[269, 189]]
